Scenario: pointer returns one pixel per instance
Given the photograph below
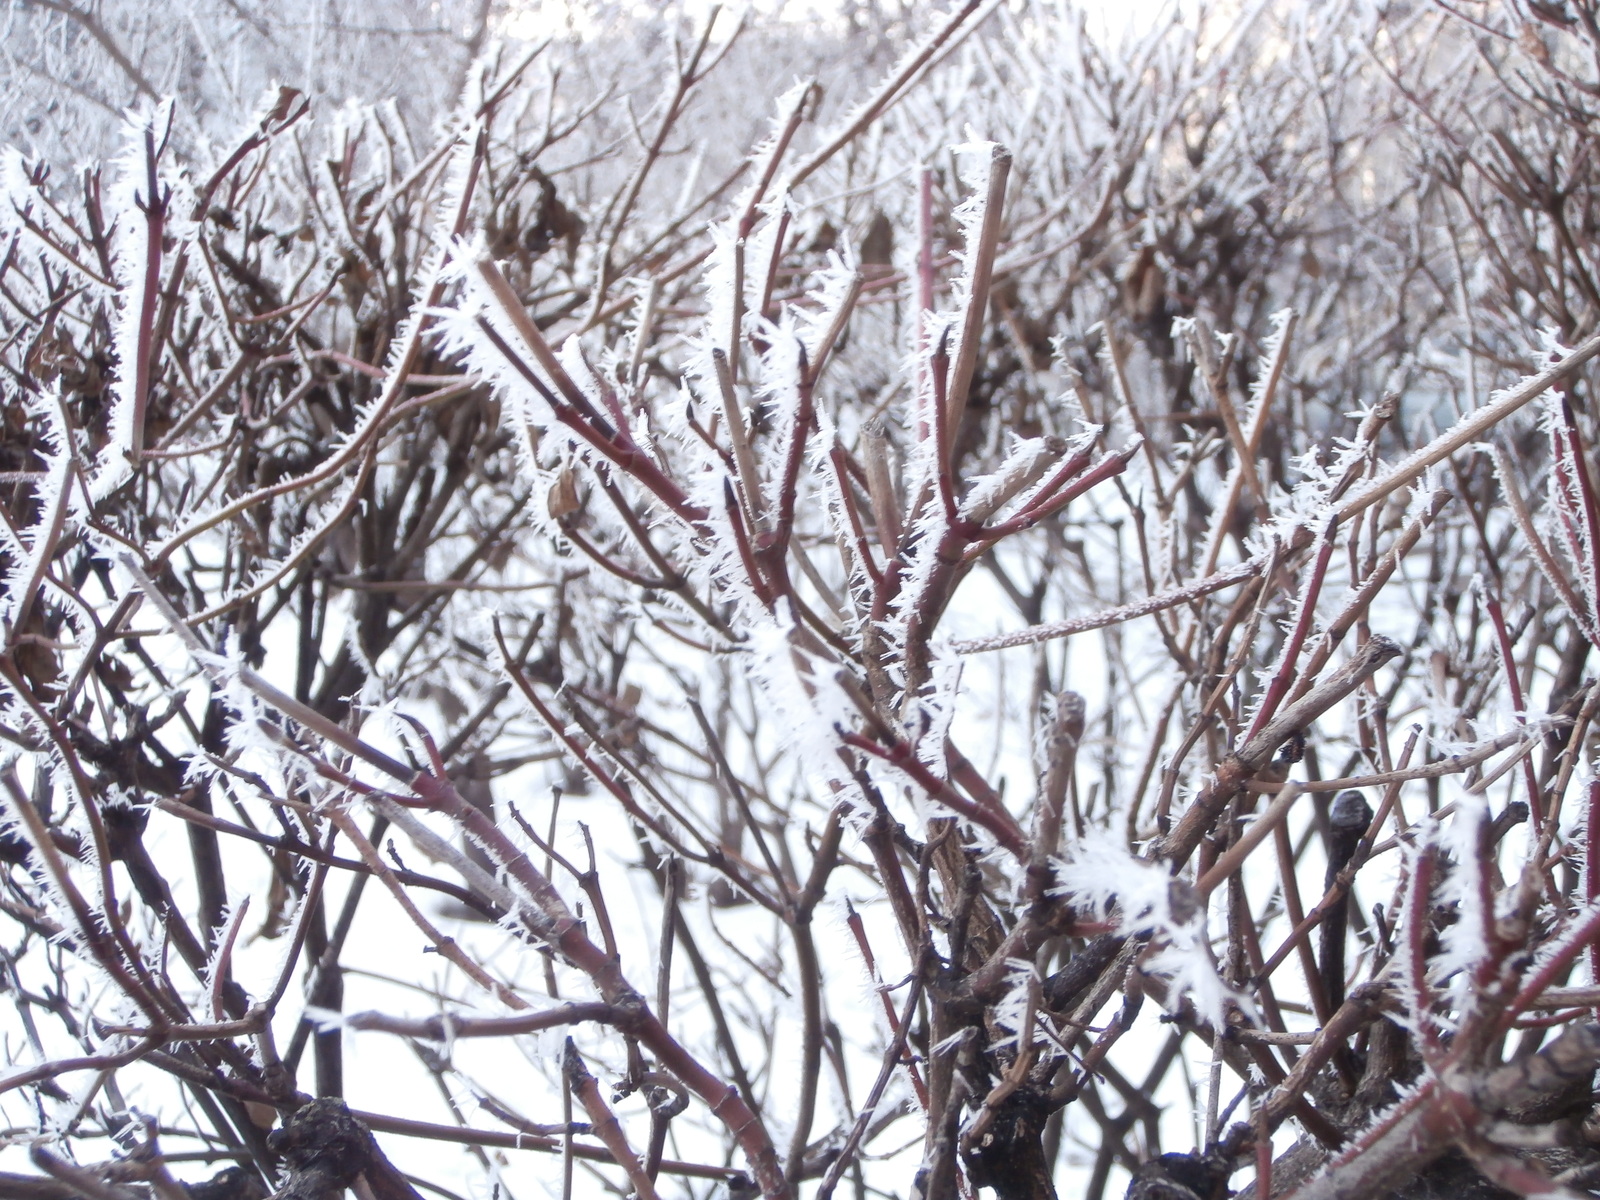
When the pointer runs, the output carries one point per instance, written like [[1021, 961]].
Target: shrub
[[892, 660]]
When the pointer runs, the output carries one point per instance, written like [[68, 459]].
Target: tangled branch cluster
[[887, 662]]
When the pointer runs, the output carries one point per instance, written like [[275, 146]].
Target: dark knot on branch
[[324, 1147]]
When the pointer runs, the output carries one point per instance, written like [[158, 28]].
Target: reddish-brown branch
[[903, 758]]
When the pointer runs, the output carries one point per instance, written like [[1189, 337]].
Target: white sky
[[532, 19]]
